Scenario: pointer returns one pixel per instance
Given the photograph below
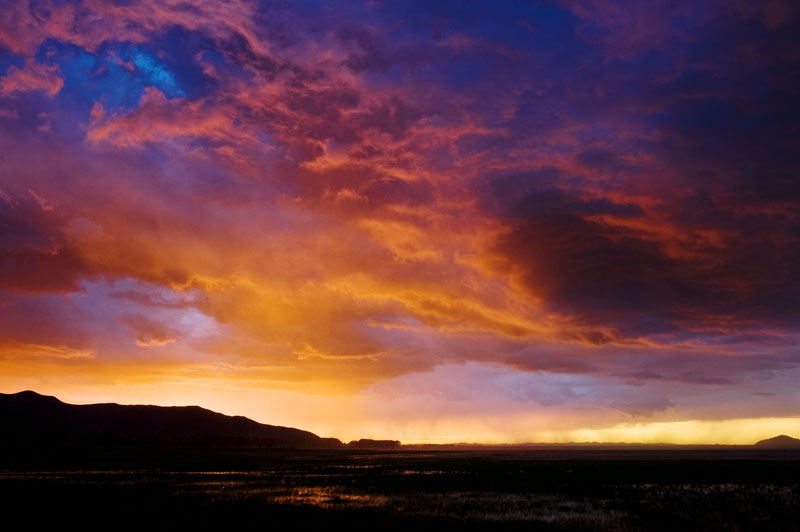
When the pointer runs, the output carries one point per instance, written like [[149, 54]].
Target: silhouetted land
[[33, 420], [779, 442], [581, 488]]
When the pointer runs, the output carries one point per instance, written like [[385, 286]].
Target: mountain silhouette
[[779, 442], [28, 419]]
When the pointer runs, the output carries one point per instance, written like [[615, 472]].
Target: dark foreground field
[[541, 490]]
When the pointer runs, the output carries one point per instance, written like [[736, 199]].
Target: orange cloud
[[33, 77]]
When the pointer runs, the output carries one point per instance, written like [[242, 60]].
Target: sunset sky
[[484, 221]]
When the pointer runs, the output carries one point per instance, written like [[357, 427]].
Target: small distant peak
[[780, 442]]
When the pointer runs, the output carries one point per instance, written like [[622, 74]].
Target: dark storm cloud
[[715, 111], [35, 255]]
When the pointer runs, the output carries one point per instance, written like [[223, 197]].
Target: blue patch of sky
[[9, 58], [178, 51], [117, 74], [539, 39], [156, 74]]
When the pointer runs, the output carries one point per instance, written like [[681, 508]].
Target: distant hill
[[28, 419], [375, 445], [780, 442]]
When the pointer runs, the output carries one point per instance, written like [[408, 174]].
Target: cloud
[[33, 77], [150, 333], [595, 196]]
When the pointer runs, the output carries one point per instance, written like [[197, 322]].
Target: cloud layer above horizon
[[475, 220]]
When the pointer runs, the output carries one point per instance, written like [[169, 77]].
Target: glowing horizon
[[403, 220]]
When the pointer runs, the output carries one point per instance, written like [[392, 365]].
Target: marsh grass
[[413, 490]]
